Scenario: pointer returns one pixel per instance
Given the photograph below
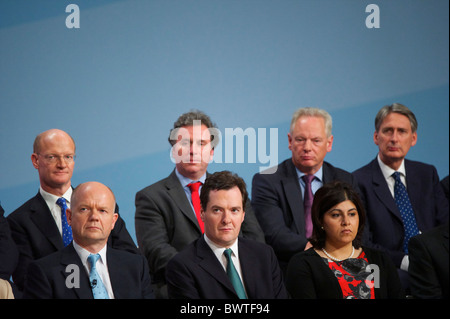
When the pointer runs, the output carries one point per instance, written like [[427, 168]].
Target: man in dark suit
[[36, 226], [9, 256], [166, 220], [395, 133], [429, 264], [220, 265], [70, 274], [278, 193]]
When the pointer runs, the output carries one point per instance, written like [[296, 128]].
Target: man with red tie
[[168, 212]]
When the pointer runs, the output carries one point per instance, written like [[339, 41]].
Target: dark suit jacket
[[278, 205], [36, 235], [165, 223], [196, 273], [429, 263], [47, 276], [308, 277], [384, 225], [9, 255]]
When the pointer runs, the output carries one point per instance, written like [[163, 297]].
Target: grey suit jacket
[[165, 223]]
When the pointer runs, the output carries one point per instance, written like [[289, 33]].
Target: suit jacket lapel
[[381, 189], [294, 195], [70, 257], [248, 270], [43, 219], [208, 261], [178, 195]]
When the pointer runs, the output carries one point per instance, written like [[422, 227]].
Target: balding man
[[87, 268], [39, 227]]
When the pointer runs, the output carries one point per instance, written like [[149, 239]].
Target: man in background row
[[402, 197], [168, 212], [282, 196], [39, 226]]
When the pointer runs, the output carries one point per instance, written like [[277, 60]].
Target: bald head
[[50, 135], [92, 215]]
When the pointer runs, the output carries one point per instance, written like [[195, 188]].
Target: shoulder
[[157, 187], [25, 208], [276, 172]]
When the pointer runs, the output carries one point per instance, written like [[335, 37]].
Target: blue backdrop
[[118, 82]]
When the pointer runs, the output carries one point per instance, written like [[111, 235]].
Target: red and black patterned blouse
[[352, 275]]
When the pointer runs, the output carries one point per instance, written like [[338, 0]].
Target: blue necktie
[[66, 229], [406, 211], [98, 288], [234, 276]]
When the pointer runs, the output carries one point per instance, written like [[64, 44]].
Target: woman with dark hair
[[337, 265]]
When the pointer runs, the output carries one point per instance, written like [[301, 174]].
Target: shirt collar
[[84, 254], [387, 171], [51, 199], [185, 181], [218, 250], [318, 174]]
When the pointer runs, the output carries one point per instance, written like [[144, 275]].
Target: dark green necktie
[[234, 276]]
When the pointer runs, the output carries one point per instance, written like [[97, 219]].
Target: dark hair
[[325, 198], [188, 119], [224, 180]]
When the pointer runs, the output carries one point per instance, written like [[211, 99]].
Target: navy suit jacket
[[384, 225], [429, 263], [47, 276], [196, 273], [278, 205], [36, 235]]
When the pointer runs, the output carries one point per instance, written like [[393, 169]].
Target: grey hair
[[313, 112], [395, 108]]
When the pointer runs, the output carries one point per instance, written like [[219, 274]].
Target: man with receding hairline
[[37, 226], [96, 270]]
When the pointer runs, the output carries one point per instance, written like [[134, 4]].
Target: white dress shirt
[[101, 265], [55, 209]]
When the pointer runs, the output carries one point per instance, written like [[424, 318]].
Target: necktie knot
[[194, 187], [92, 259], [308, 178], [61, 202]]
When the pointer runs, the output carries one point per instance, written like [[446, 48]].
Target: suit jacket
[[308, 277], [196, 273], [9, 255], [278, 205], [48, 276], [384, 224], [36, 235], [429, 264], [166, 223]]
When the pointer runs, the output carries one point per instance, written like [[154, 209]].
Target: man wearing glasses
[[39, 227]]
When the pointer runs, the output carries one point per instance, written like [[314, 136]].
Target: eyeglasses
[[51, 158]]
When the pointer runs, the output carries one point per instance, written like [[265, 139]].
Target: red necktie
[[196, 202]]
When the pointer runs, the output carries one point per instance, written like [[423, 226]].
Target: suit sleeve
[[9, 254], [299, 278], [152, 236], [180, 282], [423, 278], [37, 285]]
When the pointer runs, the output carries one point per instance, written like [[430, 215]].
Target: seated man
[[87, 268], [402, 197], [37, 226], [219, 265]]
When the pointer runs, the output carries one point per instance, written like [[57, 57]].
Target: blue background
[[119, 82]]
